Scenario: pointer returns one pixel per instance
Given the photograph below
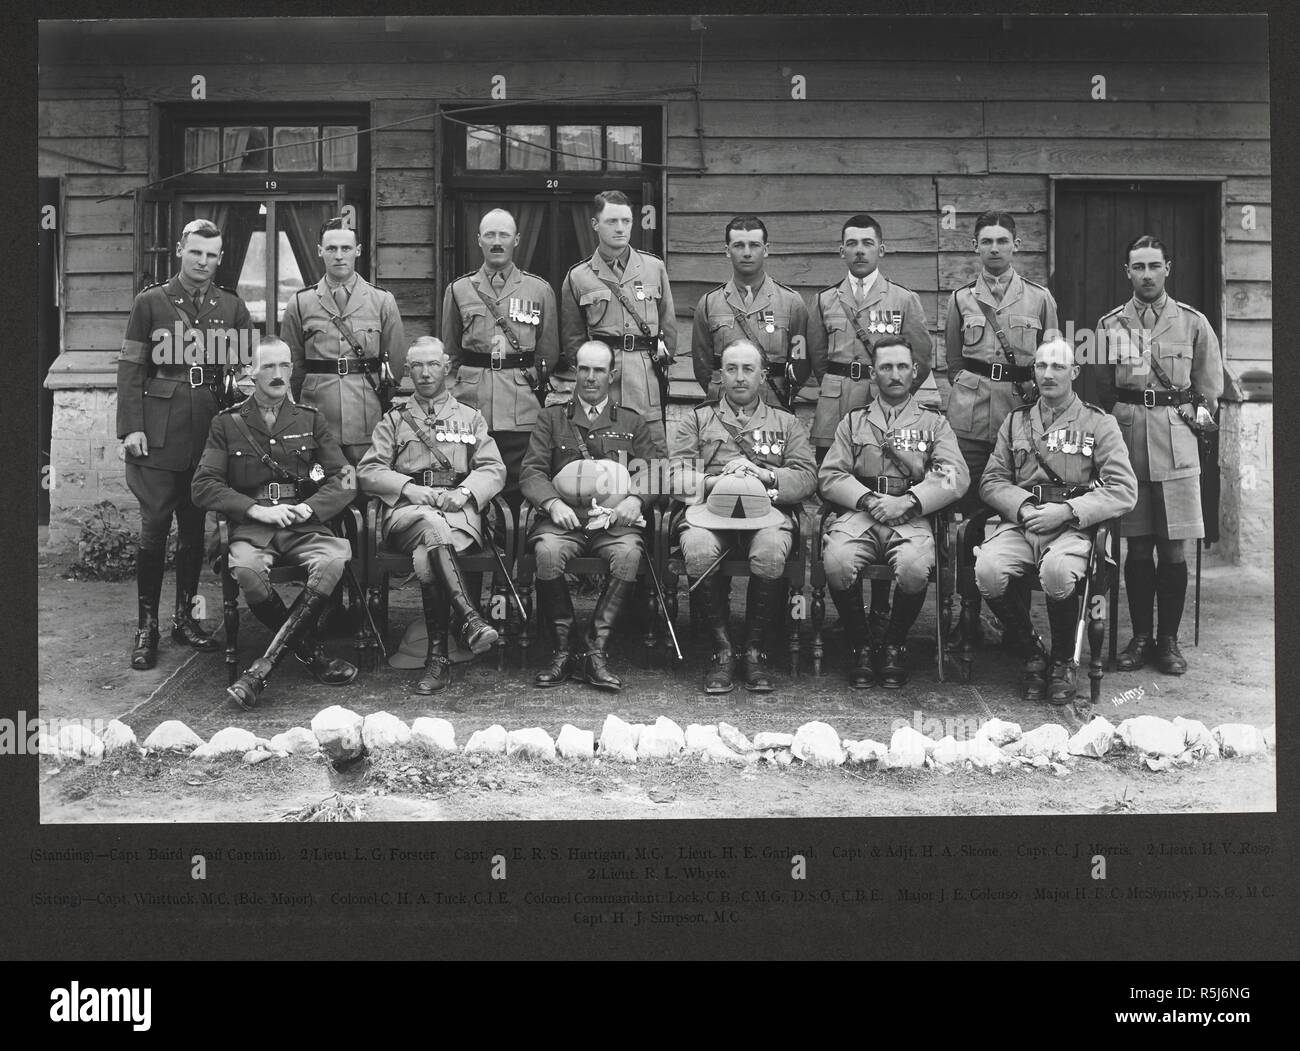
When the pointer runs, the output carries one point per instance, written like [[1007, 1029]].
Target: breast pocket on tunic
[[1023, 331], [1176, 360], [972, 330], [465, 387], [158, 395], [595, 305], [840, 337], [1023, 460], [366, 332]]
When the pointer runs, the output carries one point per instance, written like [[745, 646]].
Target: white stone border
[[339, 734]]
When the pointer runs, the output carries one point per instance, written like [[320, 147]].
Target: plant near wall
[[106, 546]]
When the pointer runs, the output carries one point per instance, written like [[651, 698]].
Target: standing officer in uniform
[[501, 334], [1169, 378], [1059, 467], [848, 318], [891, 466], [994, 327], [346, 337], [621, 297], [738, 434], [752, 307], [164, 410], [435, 467], [274, 469], [593, 426]]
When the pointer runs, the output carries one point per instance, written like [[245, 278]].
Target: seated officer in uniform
[[435, 467], [739, 434], [274, 469], [891, 465], [1058, 467], [590, 427]]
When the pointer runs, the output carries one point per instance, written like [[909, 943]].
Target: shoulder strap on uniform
[[641, 251], [1034, 283], [969, 284], [1112, 313], [1089, 405]]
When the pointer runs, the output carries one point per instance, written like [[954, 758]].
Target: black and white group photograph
[[448, 419]]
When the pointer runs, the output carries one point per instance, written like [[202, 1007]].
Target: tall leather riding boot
[[1171, 596], [293, 635], [271, 612], [760, 609], [186, 630], [892, 671], [556, 609], [476, 633], [1025, 643], [1140, 585], [711, 598], [437, 619], [848, 604], [1063, 615], [878, 618], [595, 672], [149, 563], [970, 613]]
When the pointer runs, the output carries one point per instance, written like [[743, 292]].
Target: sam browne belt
[[1151, 398], [999, 371]]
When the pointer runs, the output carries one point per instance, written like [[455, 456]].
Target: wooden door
[[1094, 222]]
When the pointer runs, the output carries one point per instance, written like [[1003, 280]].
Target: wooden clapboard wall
[[903, 118]]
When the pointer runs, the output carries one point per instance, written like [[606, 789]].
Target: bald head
[[498, 237]]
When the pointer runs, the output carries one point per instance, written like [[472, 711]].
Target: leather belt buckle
[[1149, 398], [273, 491], [498, 361], [995, 370], [343, 367], [882, 485], [1038, 494], [196, 370], [629, 342], [855, 370], [426, 478]]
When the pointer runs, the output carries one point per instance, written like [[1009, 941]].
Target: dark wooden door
[[1094, 222]]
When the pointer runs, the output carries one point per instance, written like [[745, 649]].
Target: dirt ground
[[85, 634]]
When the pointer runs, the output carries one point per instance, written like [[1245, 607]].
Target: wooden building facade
[[1089, 130]]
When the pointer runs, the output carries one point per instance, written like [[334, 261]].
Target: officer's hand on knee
[[136, 443], [563, 515]]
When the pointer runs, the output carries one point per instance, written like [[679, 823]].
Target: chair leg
[[938, 622], [818, 621], [527, 628], [1096, 669], [651, 639], [793, 630]]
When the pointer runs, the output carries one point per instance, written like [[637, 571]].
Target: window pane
[[483, 148], [296, 149], [202, 147], [581, 139], [247, 147], [252, 277], [339, 155], [624, 146], [532, 153], [290, 279]]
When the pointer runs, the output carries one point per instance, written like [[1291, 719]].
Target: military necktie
[[592, 413], [746, 297], [268, 415], [498, 283], [1149, 315], [341, 298], [997, 286], [198, 301]]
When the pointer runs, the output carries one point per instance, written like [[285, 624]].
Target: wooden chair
[[347, 522], [795, 573], [381, 565], [526, 574], [878, 571], [1101, 581]]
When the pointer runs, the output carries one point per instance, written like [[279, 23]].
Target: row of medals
[[1071, 442], [908, 438], [525, 311], [884, 322], [768, 443], [454, 431]]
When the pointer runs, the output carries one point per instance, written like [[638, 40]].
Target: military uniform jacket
[[232, 471], [349, 403], [704, 442], [937, 474], [978, 404], [396, 452], [1161, 446], [1082, 445], [590, 310], [174, 416], [774, 306], [618, 433], [504, 396], [832, 338]]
